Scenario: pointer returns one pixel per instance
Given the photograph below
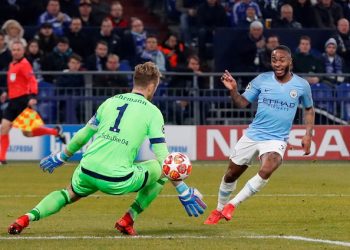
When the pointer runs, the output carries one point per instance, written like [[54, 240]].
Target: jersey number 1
[[119, 117]]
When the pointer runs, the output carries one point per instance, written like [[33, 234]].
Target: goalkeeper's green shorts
[[86, 182]]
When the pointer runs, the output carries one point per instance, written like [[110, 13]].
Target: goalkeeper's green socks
[[51, 204], [145, 197]]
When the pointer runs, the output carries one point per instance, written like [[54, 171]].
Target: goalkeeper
[[120, 126]]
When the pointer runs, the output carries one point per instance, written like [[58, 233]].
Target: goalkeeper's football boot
[[125, 225], [60, 134], [17, 227], [214, 217], [228, 211]]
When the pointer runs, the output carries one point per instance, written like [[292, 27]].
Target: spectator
[[265, 55], [239, 10], [252, 44], [270, 8], [53, 15], [78, 40], [13, 31], [305, 62], [327, 14], [97, 61], [251, 17], [181, 86], [116, 16], [342, 37], [100, 10], [153, 54], [71, 85], [303, 13], [34, 56], [85, 9], [107, 34], [174, 51], [57, 60], [184, 83], [134, 41], [286, 21], [116, 83], [46, 38], [188, 19], [72, 80], [333, 63], [211, 15]]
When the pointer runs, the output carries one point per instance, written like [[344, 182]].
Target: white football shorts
[[246, 149]]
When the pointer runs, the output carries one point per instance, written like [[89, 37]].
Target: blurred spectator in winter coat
[[53, 15]]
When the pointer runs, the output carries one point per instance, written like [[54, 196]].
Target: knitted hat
[[331, 41]]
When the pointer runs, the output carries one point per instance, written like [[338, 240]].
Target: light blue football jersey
[[277, 105]]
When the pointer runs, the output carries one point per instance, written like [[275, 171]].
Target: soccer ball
[[177, 166]]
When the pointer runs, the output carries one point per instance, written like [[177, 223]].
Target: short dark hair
[[307, 38], [283, 47], [194, 57], [271, 36], [75, 57], [2, 33], [101, 42], [152, 36], [63, 39]]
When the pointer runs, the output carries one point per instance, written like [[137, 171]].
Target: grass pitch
[[304, 206]]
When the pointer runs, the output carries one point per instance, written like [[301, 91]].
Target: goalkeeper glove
[[53, 161], [191, 199]]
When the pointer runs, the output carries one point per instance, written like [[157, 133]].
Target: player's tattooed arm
[[238, 99], [309, 120]]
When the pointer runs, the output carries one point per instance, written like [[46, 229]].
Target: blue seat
[[124, 65], [323, 96], [47, 108], [343, 99]]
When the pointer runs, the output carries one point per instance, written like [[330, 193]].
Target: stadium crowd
[[74, 35]]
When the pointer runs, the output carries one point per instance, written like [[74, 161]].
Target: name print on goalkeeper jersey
[[119, 137]]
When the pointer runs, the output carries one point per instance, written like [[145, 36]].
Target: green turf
[[306, 199]]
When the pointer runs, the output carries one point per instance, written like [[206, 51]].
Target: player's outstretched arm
[[53, 161], [231, 84], [190, 198], [309, 120]]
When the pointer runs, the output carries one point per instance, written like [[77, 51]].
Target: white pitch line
[[284, 237], [174, 195]]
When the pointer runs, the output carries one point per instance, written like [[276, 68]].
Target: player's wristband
[[63, 156], [182, 187]]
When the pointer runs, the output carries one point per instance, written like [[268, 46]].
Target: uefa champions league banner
[[35, 148], [328, 142], [24, 148], [198, 142], [179, 139]]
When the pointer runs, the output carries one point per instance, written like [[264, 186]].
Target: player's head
[[281, 61], [146, 79], [17, 50]]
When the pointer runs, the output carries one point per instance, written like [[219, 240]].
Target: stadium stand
[[343, 99], [323, 96], [160, 17]]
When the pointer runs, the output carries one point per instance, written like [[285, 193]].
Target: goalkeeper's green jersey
[[122, 122]]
